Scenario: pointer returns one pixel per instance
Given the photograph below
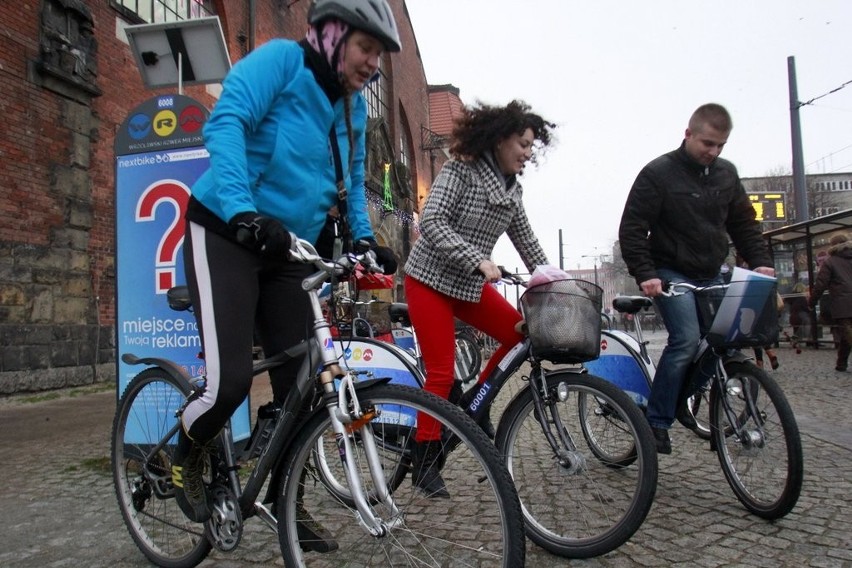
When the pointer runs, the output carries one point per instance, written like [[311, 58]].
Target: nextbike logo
[[358, 354], [477, 400]]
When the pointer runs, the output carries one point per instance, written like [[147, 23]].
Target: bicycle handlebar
[[511, 278], [670, 288], [304, 251]]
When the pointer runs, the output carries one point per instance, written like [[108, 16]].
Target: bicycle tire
[[145, 414], [602, 437], [583, 506], [432, 531], [699, 406], [468, 358], [765, 475]]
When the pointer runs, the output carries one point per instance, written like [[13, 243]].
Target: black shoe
[[840, 369], [773, 362], [685, 417], [661, 437], [427, 461], [312, 535], [187, 478]]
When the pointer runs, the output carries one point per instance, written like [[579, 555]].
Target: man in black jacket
[[677, 220]]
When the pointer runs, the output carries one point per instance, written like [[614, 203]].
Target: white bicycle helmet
[[371, 16]]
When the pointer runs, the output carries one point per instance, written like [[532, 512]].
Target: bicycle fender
[[170, 367]]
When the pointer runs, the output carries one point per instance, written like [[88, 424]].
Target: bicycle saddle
[[178, 298], [398, 313], [631, 304]]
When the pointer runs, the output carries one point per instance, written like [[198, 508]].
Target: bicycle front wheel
[[757, 439], [142, 478], [480, 524], [592, 493]]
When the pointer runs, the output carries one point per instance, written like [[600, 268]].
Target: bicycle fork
[[547, 414], [749, 438], [349, 419]]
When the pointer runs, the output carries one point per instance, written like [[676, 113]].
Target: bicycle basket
[[745, 316], [564, 320]]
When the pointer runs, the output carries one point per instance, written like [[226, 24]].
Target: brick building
[[68, 80]]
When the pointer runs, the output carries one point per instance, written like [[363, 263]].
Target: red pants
[[433, 317]]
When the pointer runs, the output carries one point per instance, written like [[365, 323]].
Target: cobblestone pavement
[[59, 508]]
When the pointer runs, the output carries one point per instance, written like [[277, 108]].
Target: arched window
[[377, 96]]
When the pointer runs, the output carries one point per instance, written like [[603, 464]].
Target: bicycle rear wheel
[[468, 358], [479, 525], [591, 497], [145, 415], [759, 448]]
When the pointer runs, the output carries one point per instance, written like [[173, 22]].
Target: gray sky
[[621, 79]]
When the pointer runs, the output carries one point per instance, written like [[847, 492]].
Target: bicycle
[[736, 405], [367, 424], [468, 361], [577, 502]]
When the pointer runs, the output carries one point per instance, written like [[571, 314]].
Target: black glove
[[384, 256], [264, 234]]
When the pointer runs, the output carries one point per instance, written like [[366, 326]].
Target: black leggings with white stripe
[[235, 292]]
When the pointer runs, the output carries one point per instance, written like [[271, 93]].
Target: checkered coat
[[467, 210]]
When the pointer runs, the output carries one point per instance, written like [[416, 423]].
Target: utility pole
[[561, 263], [800, 191]]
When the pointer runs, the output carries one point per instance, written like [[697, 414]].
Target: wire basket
[[743, 315], [564, 320]]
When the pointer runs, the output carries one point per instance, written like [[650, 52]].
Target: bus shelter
[[797, 251]]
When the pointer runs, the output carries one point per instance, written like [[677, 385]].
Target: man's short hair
[[712, 114]]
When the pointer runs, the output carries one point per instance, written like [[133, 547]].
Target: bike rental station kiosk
[[159, 154]]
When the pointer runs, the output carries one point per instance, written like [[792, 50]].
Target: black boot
[[427, 461], [312, 535], [188, 465]]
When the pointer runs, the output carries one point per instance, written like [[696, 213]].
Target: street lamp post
[[595, 257]]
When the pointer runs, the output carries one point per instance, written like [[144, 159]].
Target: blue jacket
[[268, 138]]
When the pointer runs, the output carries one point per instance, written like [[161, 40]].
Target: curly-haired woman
[[474, 200]]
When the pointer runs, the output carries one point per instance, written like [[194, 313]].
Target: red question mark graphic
[[176, 194]]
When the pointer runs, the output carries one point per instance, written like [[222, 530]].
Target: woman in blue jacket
[[272, 174]]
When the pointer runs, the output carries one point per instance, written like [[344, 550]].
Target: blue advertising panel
[[159, 155]]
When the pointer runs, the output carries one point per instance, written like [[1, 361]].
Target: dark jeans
[[680, 316]]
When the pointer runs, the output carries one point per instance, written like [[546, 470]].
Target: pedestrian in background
[[835, 276]]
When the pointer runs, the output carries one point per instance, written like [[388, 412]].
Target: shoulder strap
[[342, 232]]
